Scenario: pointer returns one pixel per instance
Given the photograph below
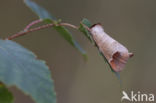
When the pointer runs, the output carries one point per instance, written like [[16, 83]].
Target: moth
[[116, 54]]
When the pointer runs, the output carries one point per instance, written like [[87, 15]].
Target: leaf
[[5, 95], [83, 29], [40, 11], [68, 36], [19, 67], [86, 22], [43, 14]]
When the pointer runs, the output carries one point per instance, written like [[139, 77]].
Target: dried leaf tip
[[116, 54]]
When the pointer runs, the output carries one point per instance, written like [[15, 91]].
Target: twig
[[27, 30], [32, 23], [30, 30], [70, 25]]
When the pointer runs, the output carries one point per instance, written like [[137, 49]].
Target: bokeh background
[[132, 22]]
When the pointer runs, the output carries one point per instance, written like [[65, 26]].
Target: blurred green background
[[131, 22]]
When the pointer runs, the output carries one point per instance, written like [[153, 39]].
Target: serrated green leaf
[[19, 67], [5, 95], [40, 11]]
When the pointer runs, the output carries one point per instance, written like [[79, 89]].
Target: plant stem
[[67, 24], [30, 30], [32, 23], [27, 30]]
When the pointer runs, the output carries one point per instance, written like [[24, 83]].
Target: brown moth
[[116, 54]]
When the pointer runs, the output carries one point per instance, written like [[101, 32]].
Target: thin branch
[[27, 30], [32, 23], [30, 30], [70, 25]]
